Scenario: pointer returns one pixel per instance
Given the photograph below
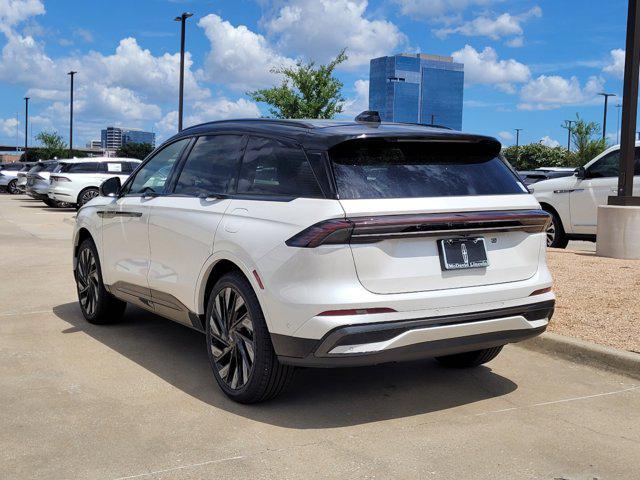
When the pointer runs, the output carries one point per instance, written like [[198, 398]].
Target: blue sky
[[528, 64]]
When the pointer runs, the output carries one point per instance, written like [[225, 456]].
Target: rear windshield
[[398, 169]]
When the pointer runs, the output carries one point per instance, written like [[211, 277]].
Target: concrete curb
[[586, 353]]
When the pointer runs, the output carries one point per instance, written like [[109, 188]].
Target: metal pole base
[[625, 201]]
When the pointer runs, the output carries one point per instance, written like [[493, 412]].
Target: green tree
[[306, 91], [135, 150], [536, 155], [52, 146], [585, 146]]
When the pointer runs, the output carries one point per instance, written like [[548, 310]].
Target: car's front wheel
[[239, 346], [98, 306], [470, 359]]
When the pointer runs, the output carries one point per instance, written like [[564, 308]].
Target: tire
[[556, 237], [12, 187], [470, 359], [86, 195], [230, 343], [98, 306]]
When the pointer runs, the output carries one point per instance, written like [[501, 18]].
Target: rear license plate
[[461, 253]]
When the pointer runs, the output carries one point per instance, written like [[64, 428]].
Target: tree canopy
[[306, 91], [135, 150], [51, 146]]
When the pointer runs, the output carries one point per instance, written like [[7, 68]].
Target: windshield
[[396, 169]]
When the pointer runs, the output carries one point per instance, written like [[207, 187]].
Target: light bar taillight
[[56, 178], [356, 311], [383, 227]]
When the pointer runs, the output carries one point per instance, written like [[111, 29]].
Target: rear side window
[[12, 167], [81, 167], [398, 169], [211, 167], [115, 168], [272, 168]]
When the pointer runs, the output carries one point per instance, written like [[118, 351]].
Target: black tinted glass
[[82, 167], [211, 167], [153, 176], [607, 166], [12, 167], [420, 169], [272, 168]]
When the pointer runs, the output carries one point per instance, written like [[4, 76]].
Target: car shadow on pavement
[[317, 398]]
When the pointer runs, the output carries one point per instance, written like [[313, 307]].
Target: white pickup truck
[[573, 201]]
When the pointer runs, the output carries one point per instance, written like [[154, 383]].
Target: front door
[[125, 232]]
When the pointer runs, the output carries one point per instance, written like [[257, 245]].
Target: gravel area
[[598, 299]]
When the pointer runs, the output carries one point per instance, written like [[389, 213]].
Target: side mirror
[[110, 187], [581, 173]]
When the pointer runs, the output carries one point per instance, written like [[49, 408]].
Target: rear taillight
[[55, 178], [383, 227]]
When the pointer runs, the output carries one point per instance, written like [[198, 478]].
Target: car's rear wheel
[[12, 187], [470, 359], [239, 346], [98, 306], [87, 195], [556, 237]]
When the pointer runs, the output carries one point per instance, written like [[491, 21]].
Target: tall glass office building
[[113, 138], [417, 88]]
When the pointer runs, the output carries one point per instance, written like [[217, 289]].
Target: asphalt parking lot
[[137, 400]]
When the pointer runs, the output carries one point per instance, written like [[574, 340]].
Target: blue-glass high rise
[[113, 138], [417, 88]]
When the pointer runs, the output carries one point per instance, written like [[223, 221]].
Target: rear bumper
[[374, 343], [62, 194]]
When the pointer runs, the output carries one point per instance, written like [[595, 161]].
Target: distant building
[[9, 157], [95, 144], [417, 88], [112, 138]]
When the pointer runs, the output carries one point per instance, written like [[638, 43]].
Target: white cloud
[[84, 34], [615, 66], [505, 135], [485, 68], [549, 92], [239, 57], [549, 142], [437, 8], [504, 25], [319, 29], [8, 126], [358, 103], [207, 111], [12, 12]]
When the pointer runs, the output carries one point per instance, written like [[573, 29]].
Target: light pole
[[182, 19], [518, 130], [604, 120], [71, 74], [618, 106], [568, 127], [26, 128]]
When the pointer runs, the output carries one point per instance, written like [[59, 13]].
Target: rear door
[[183, 223], [402, 192]]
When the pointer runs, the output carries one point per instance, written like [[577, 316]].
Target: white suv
[[77, 180], [320, 243], [573, 201]]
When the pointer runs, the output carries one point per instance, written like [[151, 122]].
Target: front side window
[[399, 169], [272, 168], [153, 176], [81, 167], [607, 166], [211, 167]]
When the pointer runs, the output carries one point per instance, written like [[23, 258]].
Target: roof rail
[[279, 121]]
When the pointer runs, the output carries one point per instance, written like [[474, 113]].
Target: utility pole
[[433, 119], [604, 120], [618, 107], [629, 109], [518, 130], [568, 127], [182, 19], [71, 74], [26, 127]]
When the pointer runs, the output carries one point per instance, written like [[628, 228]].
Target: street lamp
[[26, 128], [71, 74], [618, 106], [182, 19], [604, 121], [518, 130], [568, 127]]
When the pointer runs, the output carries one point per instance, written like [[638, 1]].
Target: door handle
[[112, 214]]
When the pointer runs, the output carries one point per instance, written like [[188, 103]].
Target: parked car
[[573, 201], [37, 186], [320, 244], [9, 176], [21, 185], [76, 181], [530, 177]]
